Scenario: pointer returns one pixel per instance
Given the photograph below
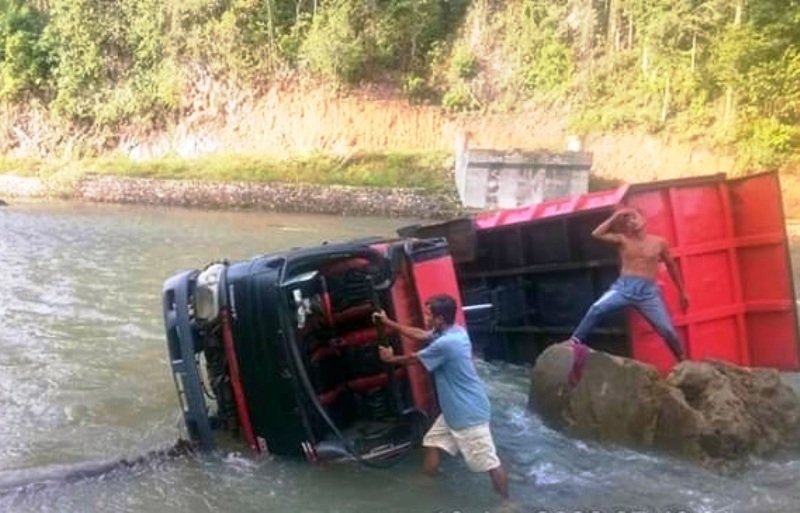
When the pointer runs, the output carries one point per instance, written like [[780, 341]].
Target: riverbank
[[276, 197], [390, 184], [281, 197]]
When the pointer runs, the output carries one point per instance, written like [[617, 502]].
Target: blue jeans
[[643, 295]]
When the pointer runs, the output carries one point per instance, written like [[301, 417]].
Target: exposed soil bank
[[294, 118]]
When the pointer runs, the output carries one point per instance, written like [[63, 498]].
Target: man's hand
[[386, 353], [625, 214], [379, 317], [684, 302], [607, 230], [628, 216]]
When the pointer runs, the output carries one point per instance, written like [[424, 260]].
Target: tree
[[25, 61]]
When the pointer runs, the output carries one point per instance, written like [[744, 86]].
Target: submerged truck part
[[182, 353], [301, 349]]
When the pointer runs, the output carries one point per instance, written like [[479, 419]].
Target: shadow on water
[[33, 479]]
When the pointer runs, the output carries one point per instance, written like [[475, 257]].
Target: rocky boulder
[[712, 412]]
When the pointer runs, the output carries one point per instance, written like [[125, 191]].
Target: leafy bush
[[548, 69], [459, 98], [465, 64], [415, 88], [766, 144], [25, 59], [334, 47]]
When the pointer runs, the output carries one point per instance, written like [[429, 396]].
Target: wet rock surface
[[712, 412]]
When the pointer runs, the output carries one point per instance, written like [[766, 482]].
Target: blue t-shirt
[[462, 397]]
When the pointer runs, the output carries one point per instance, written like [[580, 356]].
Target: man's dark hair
[[443, 305]]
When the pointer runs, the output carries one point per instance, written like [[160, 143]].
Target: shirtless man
[[641, 254]]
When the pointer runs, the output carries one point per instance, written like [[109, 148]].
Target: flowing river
[[84, 377]]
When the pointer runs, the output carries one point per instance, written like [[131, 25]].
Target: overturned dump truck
[[281, 351], [541, 269]]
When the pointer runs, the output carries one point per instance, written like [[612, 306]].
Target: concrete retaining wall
[[21, 187], [277, 197]]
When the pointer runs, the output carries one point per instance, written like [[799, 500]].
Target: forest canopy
[[725, 71]]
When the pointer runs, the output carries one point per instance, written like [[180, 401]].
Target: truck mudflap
[[182, 346]]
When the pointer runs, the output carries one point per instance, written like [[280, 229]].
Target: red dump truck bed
[[541, 269]]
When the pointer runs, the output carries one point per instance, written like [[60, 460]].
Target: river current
[[84, 376]]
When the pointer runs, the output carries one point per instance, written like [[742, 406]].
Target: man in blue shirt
[[463, 425]]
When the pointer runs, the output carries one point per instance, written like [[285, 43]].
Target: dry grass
[[427, 171]]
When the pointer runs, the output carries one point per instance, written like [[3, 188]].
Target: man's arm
[[387, 355], [674, 273], [430, 357], [603, 231], [410, 331]]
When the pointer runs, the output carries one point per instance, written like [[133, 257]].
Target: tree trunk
[[730, 93], [645, 59], [271, 28], [739, 16], [630, 32], [612, 36], [694, 51], [587, 27], [665, 103]]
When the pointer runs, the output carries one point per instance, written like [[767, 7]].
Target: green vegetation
[[425, 171], [723, 71]]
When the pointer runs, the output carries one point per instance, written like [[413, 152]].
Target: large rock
[[712, 412]]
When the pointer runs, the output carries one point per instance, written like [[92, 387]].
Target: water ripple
[[84, 376]]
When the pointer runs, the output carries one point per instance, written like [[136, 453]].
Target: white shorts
[[475, 443]]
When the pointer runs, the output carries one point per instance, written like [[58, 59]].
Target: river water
[[84, 377]]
